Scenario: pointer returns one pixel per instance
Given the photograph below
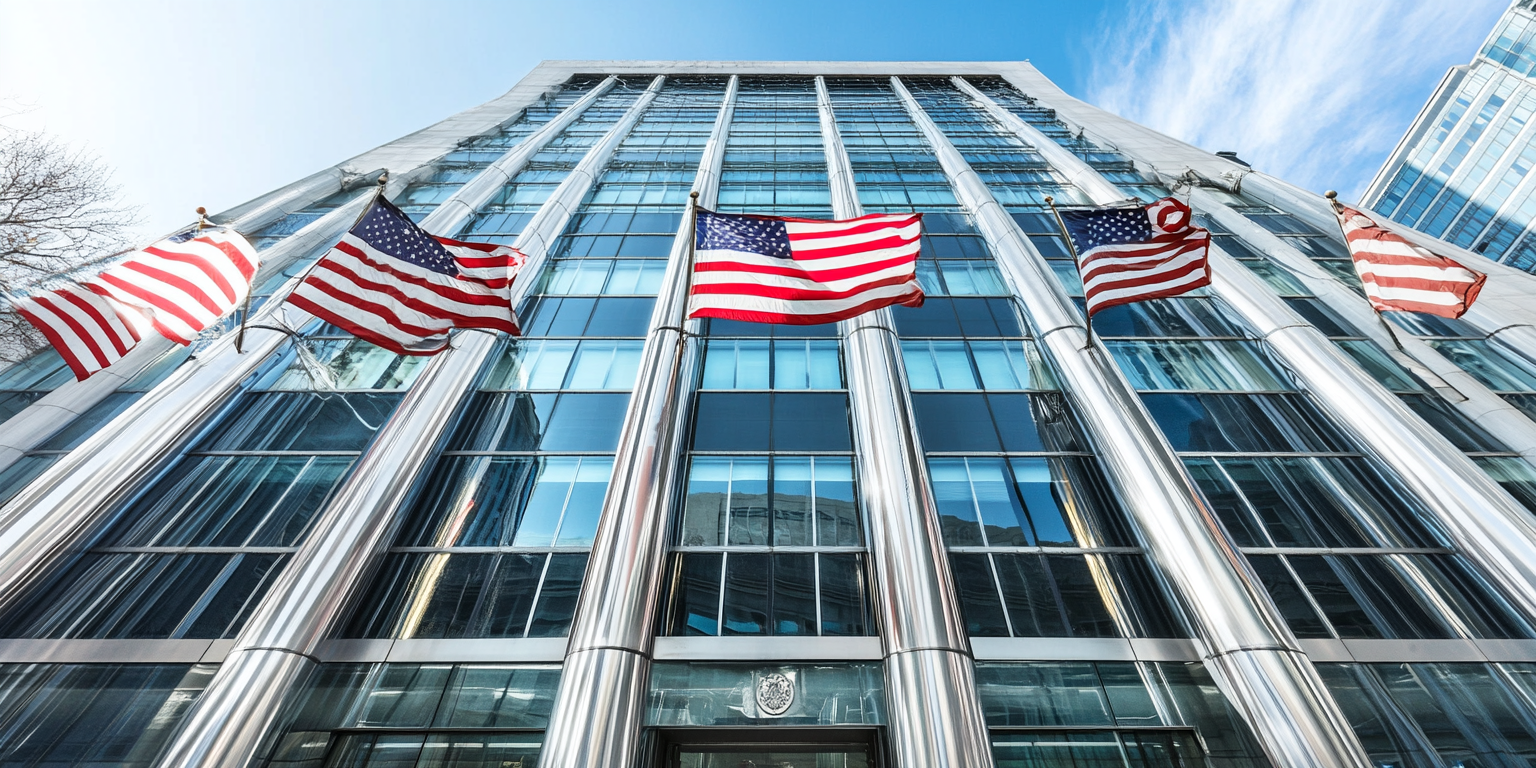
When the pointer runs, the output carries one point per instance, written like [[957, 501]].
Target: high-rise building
[[1253, 525], [1463, 171]]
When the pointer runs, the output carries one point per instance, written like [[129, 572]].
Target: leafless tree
[[58, 210]]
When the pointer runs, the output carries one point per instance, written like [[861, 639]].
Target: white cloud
[[1314, 91]]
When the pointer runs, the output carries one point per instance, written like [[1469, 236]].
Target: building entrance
[[768, 748]]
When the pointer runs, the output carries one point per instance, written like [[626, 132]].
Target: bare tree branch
[[58, 210]]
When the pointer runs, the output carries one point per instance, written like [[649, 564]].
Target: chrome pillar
[[42, 522], [44, 418], [1243, 640], [1485, 522], [1468, 395], [599, 711], [276, 649], [1503, 310], [930, 685]]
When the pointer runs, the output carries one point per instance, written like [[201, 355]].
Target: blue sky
[[197, 103]]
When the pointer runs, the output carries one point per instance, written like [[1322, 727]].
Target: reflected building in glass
[[1462, 172], [1243, 527]]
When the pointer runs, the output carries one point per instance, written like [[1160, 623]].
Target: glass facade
[[1462, 172], [774, 635]]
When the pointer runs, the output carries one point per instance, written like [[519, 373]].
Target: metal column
[[39, 525], [44, 418], [930, 679], [1244, 641], [1470, 396], [276, 649], [599, 711], [1512, 326], [1485, 522]]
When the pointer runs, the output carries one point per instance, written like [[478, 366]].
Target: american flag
[[89, 331], [1127, 255], [769, 269], [391, 283], [1399, 275], [178, 286], [185, 283]]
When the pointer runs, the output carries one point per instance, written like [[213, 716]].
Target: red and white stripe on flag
[[183, 284], [399, 306], [496, 266], [1399, 275], [1173, 262], [89, 331], [836, 270]]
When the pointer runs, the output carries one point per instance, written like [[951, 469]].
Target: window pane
[[696, 594], [844, 606], [978, 595], [1030, 596], [794, 594], [746, 593], [1242, 423], [1215, 365], [292, 421]]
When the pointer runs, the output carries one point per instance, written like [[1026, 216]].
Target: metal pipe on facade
[[42, 522], [276, 650], [1243, 640], [598, 715], [1468, 395], [44, 519], [930, 681], [1484, 520], [1501, 312], [44, 418]]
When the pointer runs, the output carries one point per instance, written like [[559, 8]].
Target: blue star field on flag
[[749, 234], [1109, 226], [390, 231]]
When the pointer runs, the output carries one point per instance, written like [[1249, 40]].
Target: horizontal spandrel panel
[[489, 501], [778, 421], [1243, 423], [501, 421], [295, 421], [470, 595]]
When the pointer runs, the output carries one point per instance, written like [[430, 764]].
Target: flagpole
[[693, 237], [1333, 202], [1072, 249], [378, 192]]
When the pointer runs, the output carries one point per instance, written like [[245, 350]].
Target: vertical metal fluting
[[1484, 521], [598, 713], [930, 682], [1466, 393], [1244, 642], [44, 418], [1501, 311], [276, 649]]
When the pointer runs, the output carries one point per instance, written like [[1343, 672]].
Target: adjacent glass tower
[[948, 536], [1463, 171]]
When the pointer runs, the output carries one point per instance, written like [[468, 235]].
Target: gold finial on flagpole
[[202, 218], [1333, 200]]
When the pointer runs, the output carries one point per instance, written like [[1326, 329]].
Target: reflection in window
[[772, 364], [192, 553], [1437, 714], [1028, 706], [490, 715], [94, 714], [975, 365], [751, 508]]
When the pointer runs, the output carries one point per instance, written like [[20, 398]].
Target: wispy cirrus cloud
[[1314, 91]]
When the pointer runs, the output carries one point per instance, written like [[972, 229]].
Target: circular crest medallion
[[775, 694]]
